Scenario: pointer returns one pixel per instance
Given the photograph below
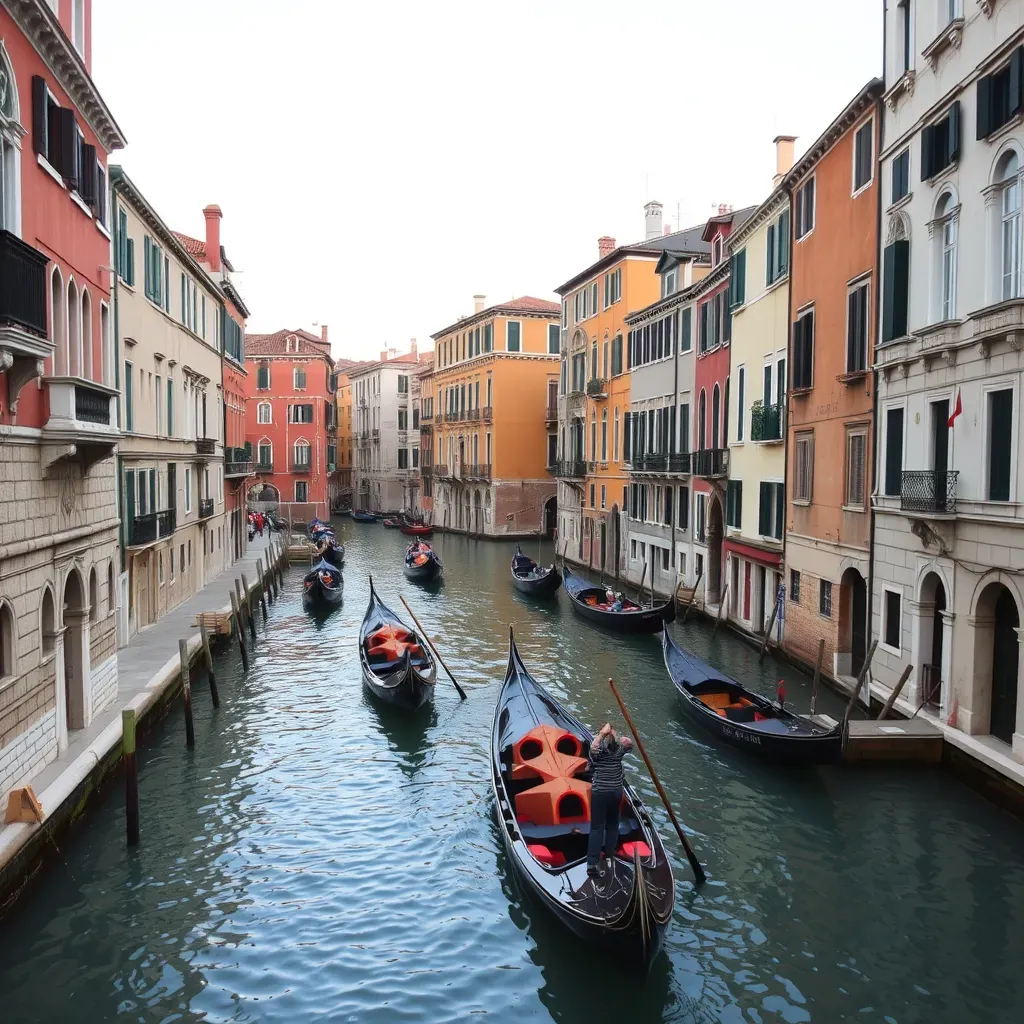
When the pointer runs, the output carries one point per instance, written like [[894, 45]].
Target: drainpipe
[[789, 383]]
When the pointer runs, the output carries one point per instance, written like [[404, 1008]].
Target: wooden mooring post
[[859, 684], [239, 627], [895, 693], [262, 584], [131, 777], [693, 596], [721, 605], [817, 675], [768, 631], [208, 659], [186, 689], [248, 606]]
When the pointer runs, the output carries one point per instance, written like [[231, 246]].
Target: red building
[[238, 461], [291, 419], [58, 387]]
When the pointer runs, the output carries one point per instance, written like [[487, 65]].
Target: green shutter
[[780, 509], [686, 329], [764, 510], [129, 503], [129, 404], [782, 241], [984, 105], [895, 289], [953, 134], [147, 264], [170, 407], [769, 274]]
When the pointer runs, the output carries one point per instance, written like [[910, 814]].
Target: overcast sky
[[379, 163]]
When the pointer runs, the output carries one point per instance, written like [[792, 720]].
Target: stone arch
[[87, 362], [937, 569], [1010, 147], [946, 199], [994, 576], [74, 319], [94, 595], [73, 619], [996, 621], [58, 323], [898, 228], [853, 621], [8, 636], [47, 621], [716, 531]]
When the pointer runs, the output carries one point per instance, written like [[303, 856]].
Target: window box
[[597, 388]]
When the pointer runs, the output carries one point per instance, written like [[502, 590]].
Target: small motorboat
[[541, 779], [422, 563], [323, 586], [396, 664], [364, 517], [744, 718], [531, 578], [592, 603], [414, 530]]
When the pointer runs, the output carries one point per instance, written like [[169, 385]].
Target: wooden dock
[[913, 739]]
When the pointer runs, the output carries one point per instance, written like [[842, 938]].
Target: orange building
[[493, 438], [340, 482], [425, 377]]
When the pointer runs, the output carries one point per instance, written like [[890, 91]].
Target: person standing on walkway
[[606, 754]]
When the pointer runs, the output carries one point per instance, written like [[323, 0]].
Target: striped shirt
[[606, 762]]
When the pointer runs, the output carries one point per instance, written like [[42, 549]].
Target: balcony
[[931, 491], [265, 464], [237, 462], [662, 463], [205, 447], [205, 508], [426, 428], [488, 414], [473, 414], [300, 465], [551, 414], [442, 472], [451, 417], [597, 387], [711, 463], [426, 417], [477, 471], [23, 336], [374, 434], [573, 469], [767, 423], [83, 421], [151, 527]]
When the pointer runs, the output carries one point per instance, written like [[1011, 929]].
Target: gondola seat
[[638, 846], [550, 858], [557, 802]]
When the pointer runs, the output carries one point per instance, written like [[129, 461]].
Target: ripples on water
[[317, 857]]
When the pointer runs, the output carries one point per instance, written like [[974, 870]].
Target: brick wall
[[102, 640], [805, 626], [104, 685], [33, 749]]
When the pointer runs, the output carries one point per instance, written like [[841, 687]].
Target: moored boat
[[323, 586], [541, 780], [422, 562], [396, 663], [745, 719], [334, 552], [391, 524], [530, 578], [592, 603], [364, 517], [416, 530]]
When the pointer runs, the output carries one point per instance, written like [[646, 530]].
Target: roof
[[404, 361], [734, 217], [525, 304], [276, 344], [195, 248]]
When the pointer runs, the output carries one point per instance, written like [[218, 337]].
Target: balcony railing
[[92, 405], [551, 414], [451, 417], [488, 414], [426, 428], [425, 417], [205, 446], [474, 414], [711, 463], [205, 508], [238, 461], [151, 527], [82, 422], [477, 471], [597, 387], [265, 465], [571, 469], [929, 490], [662, 463], [22, 284], [442, 472], [300, 466], [766, 422]]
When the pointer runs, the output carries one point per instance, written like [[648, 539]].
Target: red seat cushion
[[553, 858], [626, 849]]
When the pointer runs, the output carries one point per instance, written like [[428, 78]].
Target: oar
[[433, 646], [698, 871]]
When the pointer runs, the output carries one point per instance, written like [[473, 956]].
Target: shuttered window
[[263, 377], [803, 476], [738, 279], [617, 355], [129, 402], [684, 427], [863, 155], [893, 451], [805, 209], [900, 176], [1000, 95], [685, 330], [683, 521], [734, 504], [627, 437], [857, 329], [940, 143], [891, 637], [741, 384], [1000, 435], [856, 450], [803, 351], [895, 290]]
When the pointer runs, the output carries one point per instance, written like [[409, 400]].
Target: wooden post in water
[[859, 683], [768, 631], [721, 605], [131, 777], [248, 606], [895, 693], [208, 658], [817, 674], [261, 583], [186, 689], [239, 630], [264, 574], [693, 596]]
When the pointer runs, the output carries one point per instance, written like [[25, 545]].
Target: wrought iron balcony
[[710, 463], [83, 421], [265, 465], [767, 422], [929, 490], [571, 469], [473, 414], [442, 471], [374, 434], [22, 285], [426, 428], [151, 527], [205, 508], [451, 417], [476, 471], [300, 465], [205, 446], [238, 461], [488, 414], [425, 416], [551, 415], [597, 387]]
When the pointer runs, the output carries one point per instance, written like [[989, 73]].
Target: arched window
[[111, 586], [87, 335], [716, 409], [593, 359], [74, 315], [946, 234], [58, 323], [263, 413], [604, 435], [1008, 178], [107, 347], [94, 595], [725, 417], [301, 453], [702, 421], [593, 436], [47, 623], [8, 637], [10, 144], [615, 436], [265, 454]]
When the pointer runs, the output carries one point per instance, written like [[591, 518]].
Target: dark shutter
[[892, 619], [40, 123], [780, 509], [88, 187], [764, 510], [68, 142], [726, 319], [672, 430], [1000, 434], [152, 491], [895, 289], [129, 503], [984, 102], [1016, 81], [953, 135], [704, 327], [627, 439], [684, 427], [770, 271], [893, 451], [686, 327], [782, 240], [927, 134], [684, 508], [172, 485]]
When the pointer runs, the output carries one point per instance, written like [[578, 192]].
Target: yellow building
[[341, 477], [493, 438]]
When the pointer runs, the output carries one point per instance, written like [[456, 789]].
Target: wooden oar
[[698, 871], [433, 647]]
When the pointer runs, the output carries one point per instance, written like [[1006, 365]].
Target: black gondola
[[335, 554], [744, 718], [531, 578], [540, 774], [323, 586], [395, 662], [591, 603], [422, 564], [364, 517]]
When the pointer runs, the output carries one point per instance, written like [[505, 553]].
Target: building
[[946, 593], [168, 314], [756, 492], [210, 254], [340, 483], [290, 420], [425, 378], [493, 373], [387, 448], [414, 480], [833, 287], [594, 392], [58, 388], [657, 428]]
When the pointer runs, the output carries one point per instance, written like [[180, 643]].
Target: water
[[316, 858]]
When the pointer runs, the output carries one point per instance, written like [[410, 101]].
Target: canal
[[317, 858]]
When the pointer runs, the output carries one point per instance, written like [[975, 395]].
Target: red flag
[[957, 409]]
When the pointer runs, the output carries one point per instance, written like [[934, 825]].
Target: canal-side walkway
[[146, 667]]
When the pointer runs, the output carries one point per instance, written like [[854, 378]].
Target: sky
[[378, 164]]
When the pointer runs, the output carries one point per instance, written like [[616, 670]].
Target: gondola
[[540, 775], [531, 578], [744, 718], [591, 603], [392, 524], [413, 530], [335, 554], [316, 526], [423, 565], [323, 586], [395, 662], [364, 517]]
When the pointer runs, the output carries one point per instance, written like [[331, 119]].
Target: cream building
[[168, 319]]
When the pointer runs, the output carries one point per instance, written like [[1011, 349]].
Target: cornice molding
[[775, 203]]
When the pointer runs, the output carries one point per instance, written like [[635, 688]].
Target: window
[[863, 155], [124, 250], [940, 143], [856, 451], [825, 598], [895, 289], [129, 402], [669, 282], [301, 491], [299, 378], [188, 489], [900, 176], [1000, 95], [685, 329], [617, 355], [603, 496], [741, 384], [403, 384], [803, 351], [593, 298], [160, 568], [946, 215], [604, 435], [906, 50], [893, 451], [154, 266], [172, 560], [892, 624], [263, 380], [857, 312], [737, 279], [805, 209], [403, 419], [513, 330], [716, 251], [771, 509], [803, 478], [592, 495], [554, 339], [794, 586], [1008, 175], [777, 250], [300, 414], [415, 458], [684, 508], [265, 453], [263, 412], [403, 458], [301, 454], [734, 504], [78, 25], [1000, 443], [10, 156], [612, 287]]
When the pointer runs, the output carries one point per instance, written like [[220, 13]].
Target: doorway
[[74, 651], [762, 584], [1005, 660]]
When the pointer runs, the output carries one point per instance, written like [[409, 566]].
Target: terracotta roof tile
[[195, 248], [275, 344]]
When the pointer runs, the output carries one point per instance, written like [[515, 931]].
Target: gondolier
[[606, 754]]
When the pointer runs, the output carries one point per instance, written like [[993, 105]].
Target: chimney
[[724, 208], [323, 333], [783, 157], [652, 220], [414, 350], [213, 215], [478, 303], [668, 229], [605, 245], [383, 355]]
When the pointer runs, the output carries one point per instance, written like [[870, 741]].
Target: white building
[[948, 554]]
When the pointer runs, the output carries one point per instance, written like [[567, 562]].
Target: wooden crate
[[216, 622]]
